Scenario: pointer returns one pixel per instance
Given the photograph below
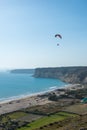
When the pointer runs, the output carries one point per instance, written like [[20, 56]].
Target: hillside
[[66, 74]]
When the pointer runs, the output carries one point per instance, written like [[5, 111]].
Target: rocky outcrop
[[66, 74]]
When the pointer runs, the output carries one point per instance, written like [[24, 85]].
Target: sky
[[28, 28]]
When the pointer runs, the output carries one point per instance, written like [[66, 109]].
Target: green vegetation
[[53, 115], [78, 94], [77, 123], [16, 115], [66, 114], [53, 97], [10, 121], [47, 120]]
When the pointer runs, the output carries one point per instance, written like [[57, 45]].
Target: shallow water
[[19, 85]]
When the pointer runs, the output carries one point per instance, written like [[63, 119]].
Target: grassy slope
[[46, 120], [17, 115]]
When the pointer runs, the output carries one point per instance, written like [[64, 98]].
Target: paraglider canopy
[[58, 35]]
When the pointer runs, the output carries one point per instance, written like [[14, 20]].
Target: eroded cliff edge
[[66, 74]]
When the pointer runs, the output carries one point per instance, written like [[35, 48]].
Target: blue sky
[[28, 28]]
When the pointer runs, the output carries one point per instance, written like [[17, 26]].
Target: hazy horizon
[[28, 28]]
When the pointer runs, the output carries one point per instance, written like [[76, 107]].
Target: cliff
[[66, 74]]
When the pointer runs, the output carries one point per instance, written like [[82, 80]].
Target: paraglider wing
[[58, 35]]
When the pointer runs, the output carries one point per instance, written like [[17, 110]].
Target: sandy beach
[[18, 104], [10, 106]]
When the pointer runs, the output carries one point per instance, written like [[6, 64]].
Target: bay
[[14, 86]]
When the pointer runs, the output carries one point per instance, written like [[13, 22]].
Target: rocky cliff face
[[66, 74]]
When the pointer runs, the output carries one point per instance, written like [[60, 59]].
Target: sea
[[15, 86]]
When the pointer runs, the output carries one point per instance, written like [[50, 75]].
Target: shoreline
[[29, 100], [23, 96]]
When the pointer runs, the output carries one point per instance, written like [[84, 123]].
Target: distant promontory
[[22, 71], [66, 74]]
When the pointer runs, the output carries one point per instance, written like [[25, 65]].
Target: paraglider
[[59, 36]]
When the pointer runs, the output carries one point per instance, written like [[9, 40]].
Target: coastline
[[23, 96], [29, 100], [18, 104]]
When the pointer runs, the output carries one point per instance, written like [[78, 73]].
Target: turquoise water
[[19, 85]]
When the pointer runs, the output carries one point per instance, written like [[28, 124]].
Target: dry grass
[[77, 108]]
